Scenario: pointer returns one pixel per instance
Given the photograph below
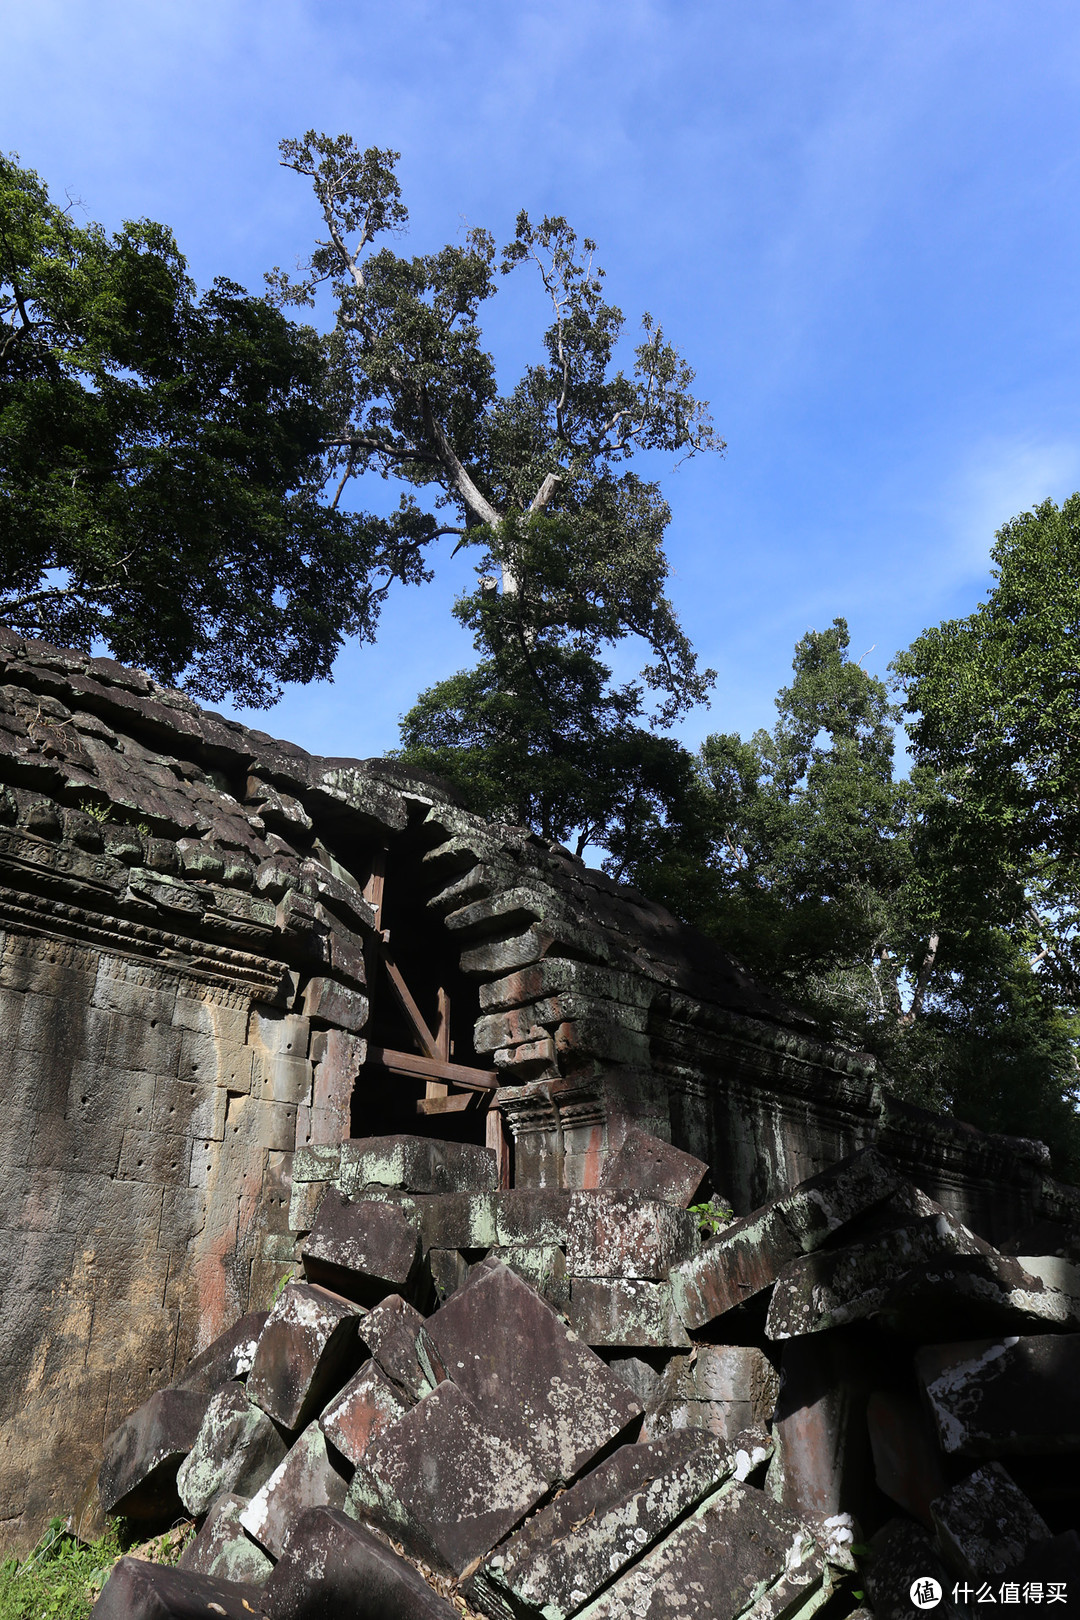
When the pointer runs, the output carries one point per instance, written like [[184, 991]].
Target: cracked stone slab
[[570, 1550], [419, 1164], [223, 1548], [834, 1286], [335, 1566], [749, 1255], [142, 1457], [367, 1405], [307, 1349], [528, 1373], [363, 1250], [648, 1164], [981, 1293], [986, 1524], [306, 1478], [742, 1551], [630, 1312], [723, 1388], [1015, 1396], [138, 1590], [627, 1234], [236, 1449], [445, 1482]]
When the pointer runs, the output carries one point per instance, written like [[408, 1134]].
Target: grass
[[61, 1578]]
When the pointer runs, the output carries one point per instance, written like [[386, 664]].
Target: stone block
[[316, 1163], [902, 1553], [189, 1109], [284, 1079], [456, 1220], [416, 1164], [625, 1311], [1016, 1396], [741, 1550], [724, 1388], [304, 1200], [367, 1405], [154, 1157], [138, 1474], [650, 1165], [907, 1463], [749, 1256], [543, 1268], [974, 1294], [306, 1478], [364, 1250], [550, 1395], [445, 1482], [986, 1524], [334, 1566], [638, 1374], [834, 1286], [570, 1550], [229, 1356], [531, 1215], [336, 1004], [449, 1269], [236, 1450], [820, 1420], [392, 1333], [139, 1590], [223, 1547], [306, 1351], [627, 1234]]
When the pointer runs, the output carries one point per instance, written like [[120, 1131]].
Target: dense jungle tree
[[160, 455]]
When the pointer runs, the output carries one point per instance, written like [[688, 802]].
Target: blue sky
[[859, 220]]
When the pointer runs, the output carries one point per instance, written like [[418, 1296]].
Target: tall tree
[[160, 454], [569, 536]]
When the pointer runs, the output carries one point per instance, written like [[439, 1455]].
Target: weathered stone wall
[[190, 920]]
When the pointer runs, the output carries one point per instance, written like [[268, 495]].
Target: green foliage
[[712, 1216], [162, 455], [60, 1579], [570, 537]]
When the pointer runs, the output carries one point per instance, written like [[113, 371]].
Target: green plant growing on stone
[[713, 1215], [101, 813], [60, 1579]]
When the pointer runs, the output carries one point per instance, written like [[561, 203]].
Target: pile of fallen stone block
[[536, 1403]]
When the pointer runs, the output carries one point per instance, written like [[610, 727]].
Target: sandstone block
[[750, 1255], [223, 1547], [907, 1462], [550, 1395], [138, 1590], [316, 1163], [980, 1293], [336, 1004], [531, 1215], [834, 1286], [138, 1475], [305, 1352], [742, 1550], [363, 1250], [237, 1449], [304, 1200], [445, 1482], [902, 1554], [650, 1165], [367, 1405], [986, 1524], [306, 1478], [416, 1164], [334, 1566], [627, 1234], [229, 1356], [393, 1334], [723, 1388], [570, 1550], [456, 1220], [1005, 1397], [543, 1267], [625, 1311], [449, 1269]]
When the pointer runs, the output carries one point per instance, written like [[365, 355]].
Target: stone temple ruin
[[348, 1150]]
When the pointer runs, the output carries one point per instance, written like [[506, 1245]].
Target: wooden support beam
[[442, 1039], [455, 1103], [425, 1068], [412, 1012], [375, 886], [495, 1137]]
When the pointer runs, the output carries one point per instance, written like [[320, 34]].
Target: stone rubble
[[538, 1404]]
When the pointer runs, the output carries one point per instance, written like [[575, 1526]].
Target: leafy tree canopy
[[159, 455]]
